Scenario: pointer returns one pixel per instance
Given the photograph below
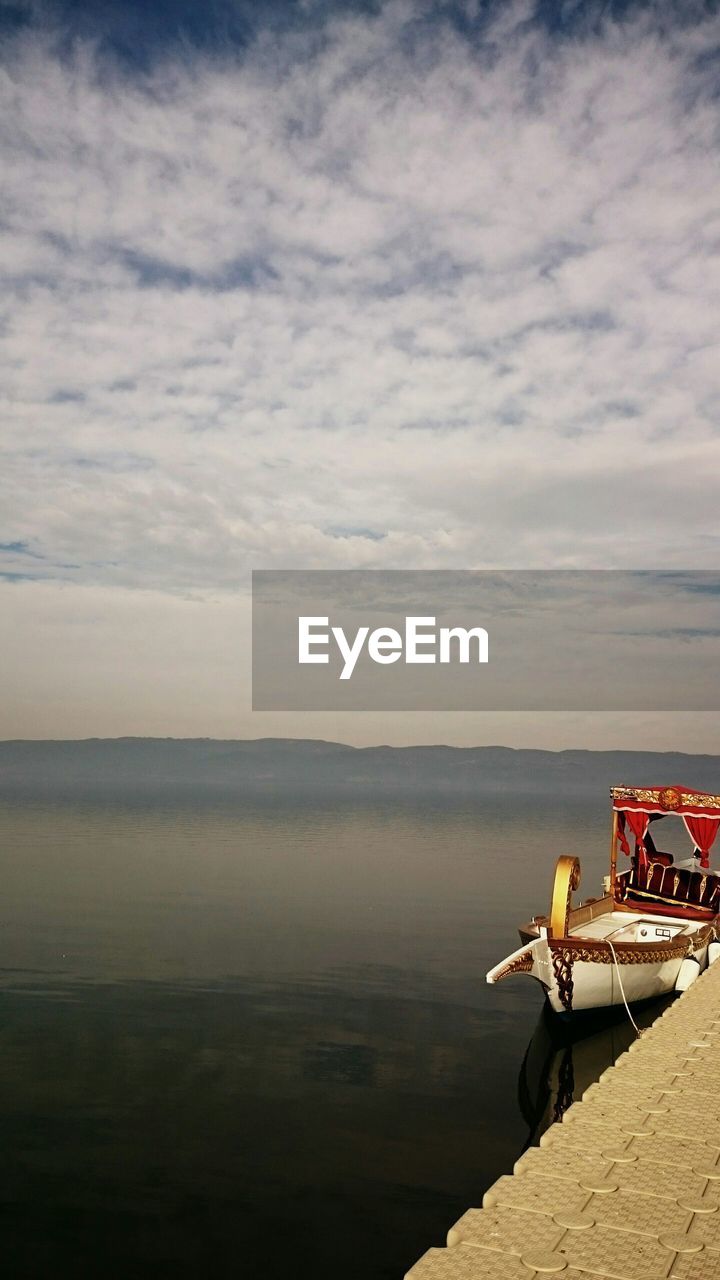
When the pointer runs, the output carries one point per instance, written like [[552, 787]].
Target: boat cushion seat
[[671, 884]]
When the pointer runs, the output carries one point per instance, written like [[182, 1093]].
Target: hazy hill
[[312, 766]]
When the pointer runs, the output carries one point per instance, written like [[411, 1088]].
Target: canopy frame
[[700, 811], [674, 799]]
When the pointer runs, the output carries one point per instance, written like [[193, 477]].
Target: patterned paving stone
[[620, 1254], [583, 1134], [684, 1152], [628, 1187], [650, 1215], [572, 1166], [536, 1192], [655, 1179], [695, 1266], [706, 1228], [681, 1126], [509, 1230], [466, 1262]]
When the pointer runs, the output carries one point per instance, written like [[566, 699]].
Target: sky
[[341, 285]]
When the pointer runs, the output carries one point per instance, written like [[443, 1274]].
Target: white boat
[[654, 929]]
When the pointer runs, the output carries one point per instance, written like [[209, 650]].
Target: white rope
[[622, 989]]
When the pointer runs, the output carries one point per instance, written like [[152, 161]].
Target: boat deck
[[628, 1186], [621, 926]]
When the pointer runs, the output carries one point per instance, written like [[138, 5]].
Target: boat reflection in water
[[564, 1058]]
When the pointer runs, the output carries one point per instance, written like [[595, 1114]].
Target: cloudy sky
[[390, 285]]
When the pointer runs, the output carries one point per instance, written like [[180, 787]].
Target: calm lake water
[[246, 1038]]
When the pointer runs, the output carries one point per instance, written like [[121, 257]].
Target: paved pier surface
[[628, 1185]]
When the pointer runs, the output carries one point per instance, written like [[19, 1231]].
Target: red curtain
[[638, 824], [703, 831], [622, 840]]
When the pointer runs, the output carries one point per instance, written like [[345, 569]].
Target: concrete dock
[[628, 1185]]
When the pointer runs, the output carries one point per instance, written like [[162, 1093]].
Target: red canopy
[[682, 800], [699, 810]]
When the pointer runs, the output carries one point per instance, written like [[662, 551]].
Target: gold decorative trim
[[702, 802], [667, 799], [567, 878], [687, 910], [562, 961], [521, 964], [593, 951], [670, 798]]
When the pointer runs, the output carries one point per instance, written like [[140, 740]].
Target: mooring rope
[[622, 989]]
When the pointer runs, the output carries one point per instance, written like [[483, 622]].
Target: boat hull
[[581, 973]]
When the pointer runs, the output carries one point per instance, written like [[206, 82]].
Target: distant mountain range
[[312, 766]]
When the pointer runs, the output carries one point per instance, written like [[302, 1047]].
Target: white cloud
[[461, 297]]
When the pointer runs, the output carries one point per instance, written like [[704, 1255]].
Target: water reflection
[[225, 1129], [243, 1038], [563, 1059]]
